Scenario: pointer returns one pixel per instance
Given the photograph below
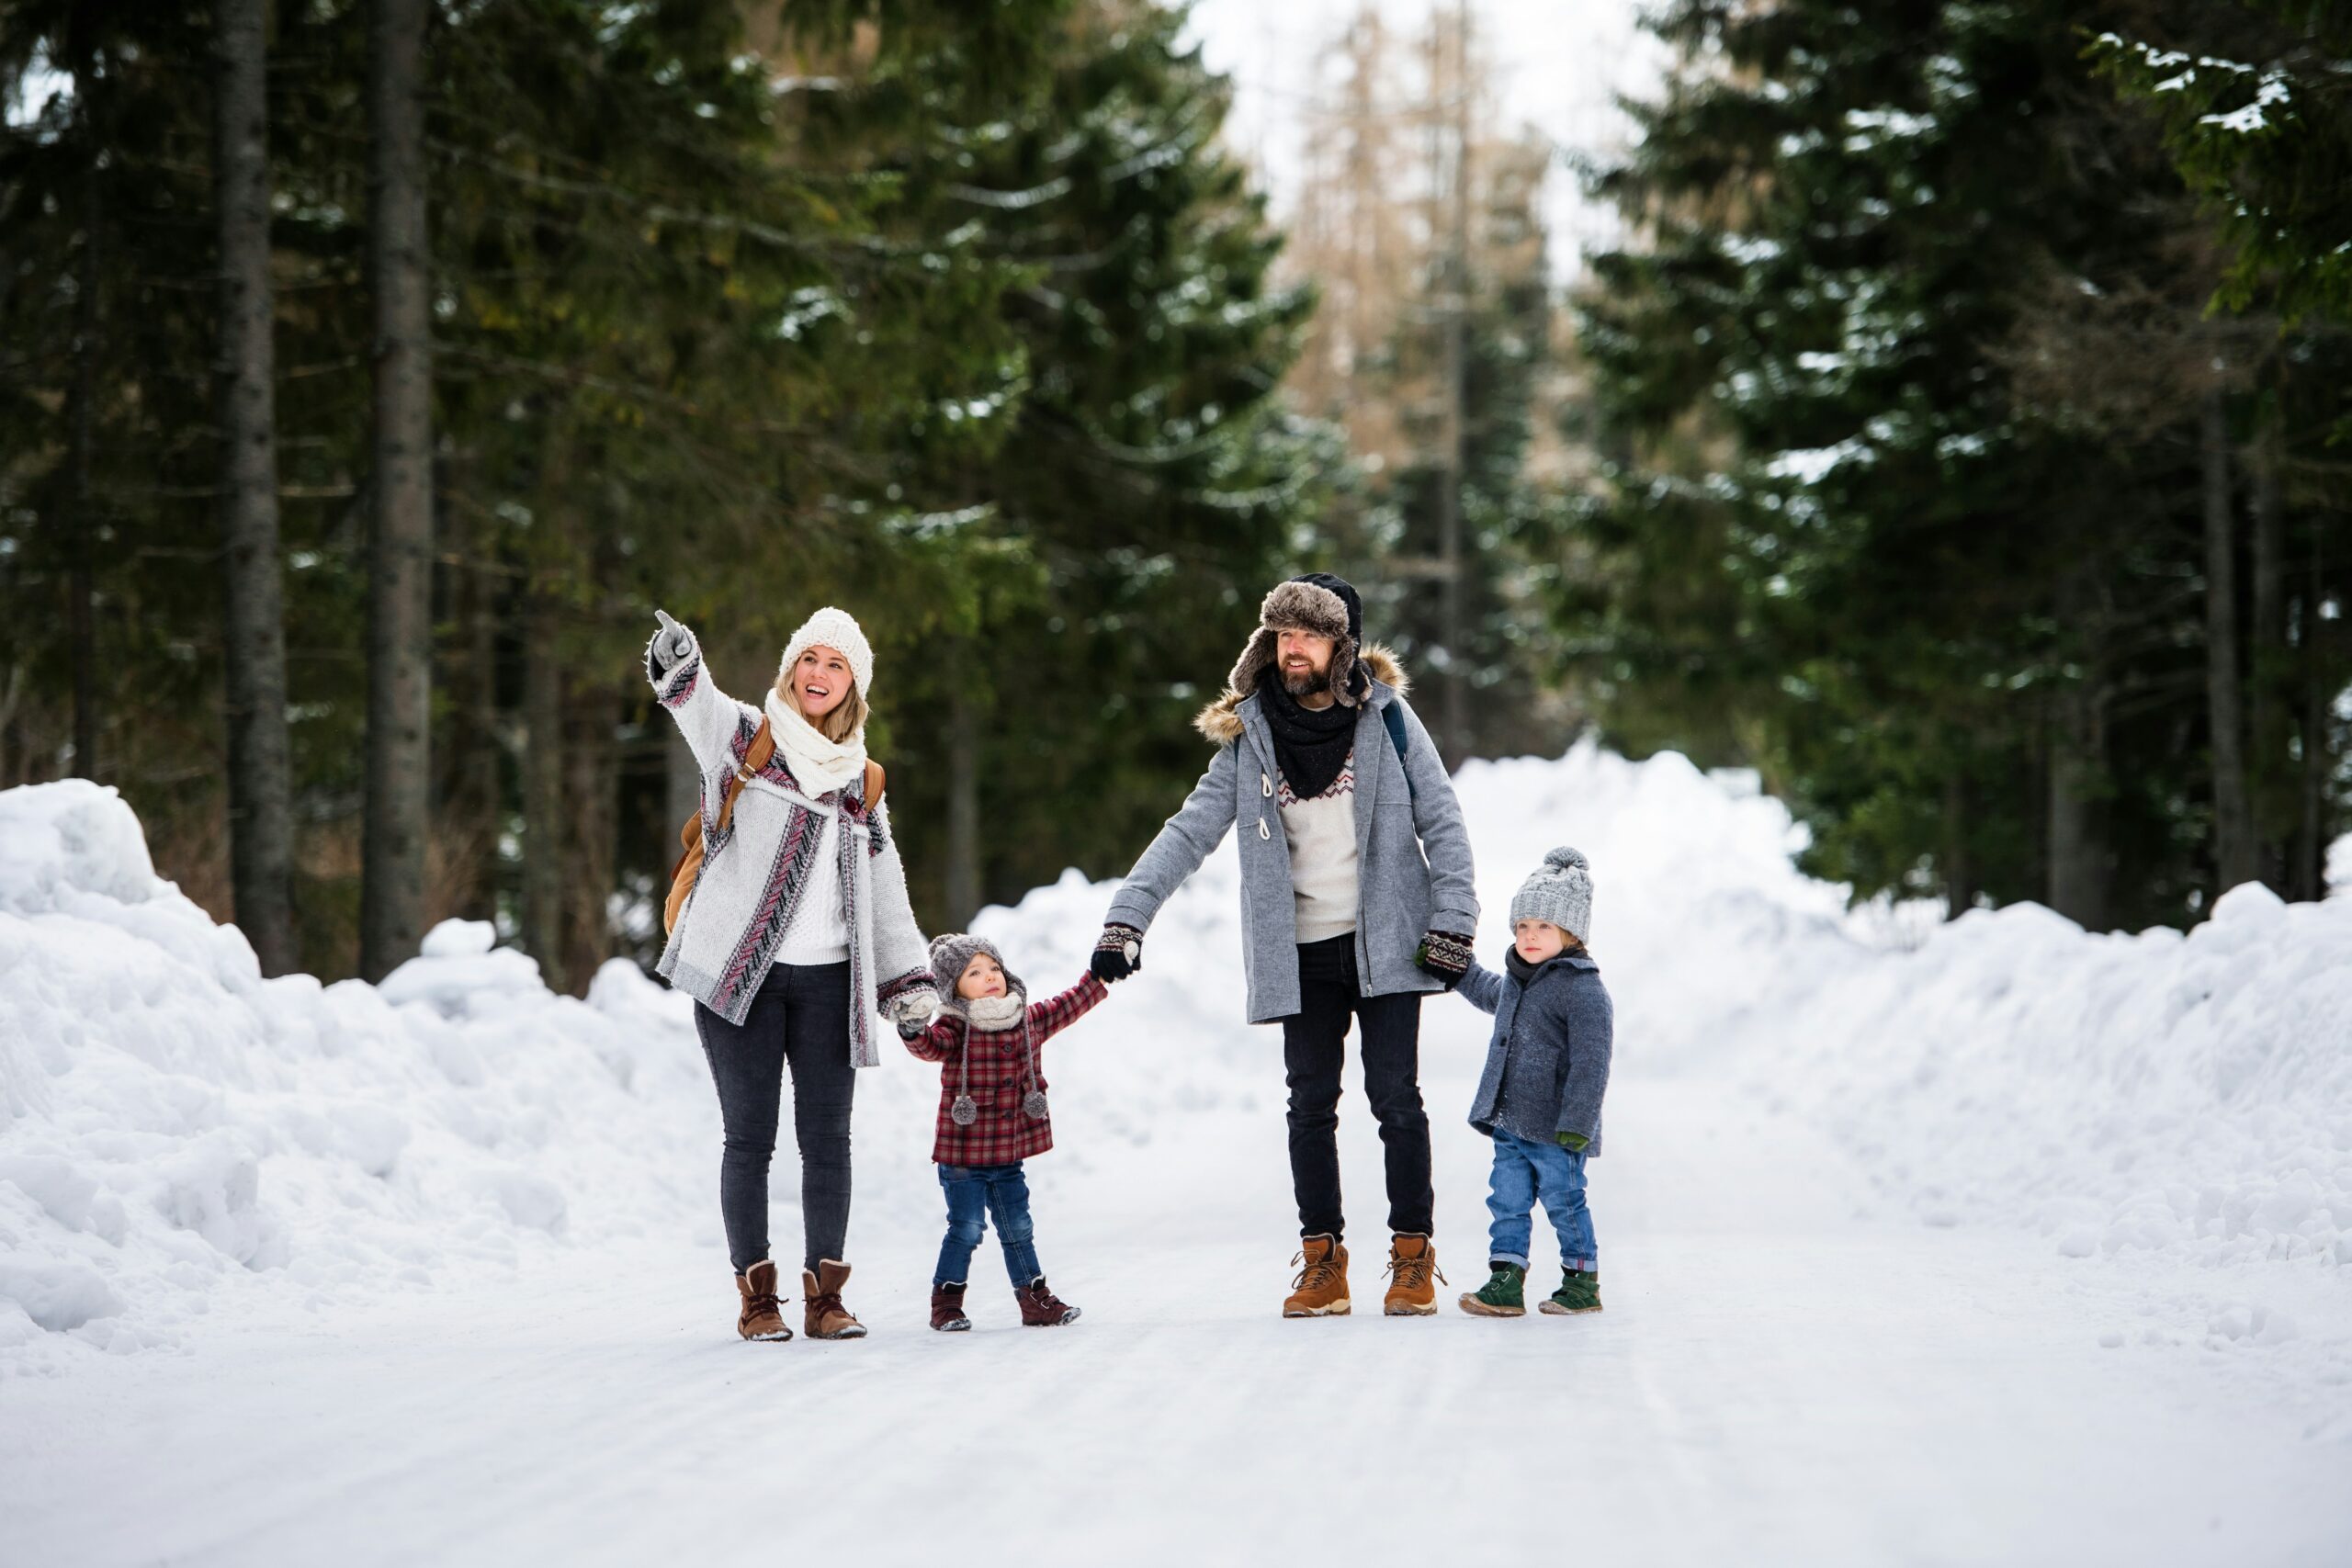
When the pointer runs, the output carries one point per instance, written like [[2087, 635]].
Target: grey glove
[[670, 645], [912, 1010]]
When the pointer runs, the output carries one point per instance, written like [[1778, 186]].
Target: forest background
[[1948, 424]]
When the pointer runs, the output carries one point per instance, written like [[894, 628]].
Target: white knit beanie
[[1560, 891], [838, 630]]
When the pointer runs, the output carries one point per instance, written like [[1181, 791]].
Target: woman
[[798, 931]]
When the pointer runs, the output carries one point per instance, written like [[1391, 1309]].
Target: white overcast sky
[[1557, 63]]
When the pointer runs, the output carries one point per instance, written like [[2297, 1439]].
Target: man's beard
[[1309, 684]]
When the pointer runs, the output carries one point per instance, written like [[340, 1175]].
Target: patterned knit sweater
[[754, 874]]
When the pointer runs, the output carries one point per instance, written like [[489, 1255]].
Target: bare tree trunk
[[2310, 877], [466, 826], [592, 795], [1959, 865], [2270, 659], [2234, 851], [2080, 859], [400, 619], [962, 808], [543, 816], [261, 807], [81, 592]]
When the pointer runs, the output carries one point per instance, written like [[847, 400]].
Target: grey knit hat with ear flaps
[[952, 954], [1319, 603], [1560, 891]]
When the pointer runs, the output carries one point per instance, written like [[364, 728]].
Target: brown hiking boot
[[947, 1309], [823, 1317], [761, 1318], [1321, 1288], [1040, 1308], [1412, 1261]]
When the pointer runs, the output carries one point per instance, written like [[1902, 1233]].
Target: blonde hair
[[846, 718]]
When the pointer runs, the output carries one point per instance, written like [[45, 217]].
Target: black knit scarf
[[1310, 744]]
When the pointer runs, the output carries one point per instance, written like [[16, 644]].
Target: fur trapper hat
[[1319, 603], [839, 630]]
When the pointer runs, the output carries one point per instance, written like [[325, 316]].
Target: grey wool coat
[[1547, 1062], [1413, 865]]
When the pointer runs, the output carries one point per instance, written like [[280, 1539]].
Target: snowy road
[[1775, 1379]]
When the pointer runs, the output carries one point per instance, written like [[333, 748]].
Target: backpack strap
[[755, 757], [875, 782], [1396, 723]]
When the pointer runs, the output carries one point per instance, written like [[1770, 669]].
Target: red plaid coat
[[999, 1078]]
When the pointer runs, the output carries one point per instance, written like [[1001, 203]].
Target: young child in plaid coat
[[992, 1116]]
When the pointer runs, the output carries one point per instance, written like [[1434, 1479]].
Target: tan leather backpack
[[689, 866]]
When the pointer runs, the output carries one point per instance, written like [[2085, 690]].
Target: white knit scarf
[[989, 1015], [822, 766], [995, 1013]]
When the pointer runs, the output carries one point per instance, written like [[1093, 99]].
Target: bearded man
[[1357, 900]]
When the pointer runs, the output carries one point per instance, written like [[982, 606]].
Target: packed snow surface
[[1864, 1166]]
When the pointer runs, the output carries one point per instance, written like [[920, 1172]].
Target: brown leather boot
[[1321, 1288], [760, 1318], [1040, 1308], [947, 1309], [1412, 1261], [823, 1317]]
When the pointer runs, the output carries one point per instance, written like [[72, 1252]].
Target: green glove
[[1573, 1142]]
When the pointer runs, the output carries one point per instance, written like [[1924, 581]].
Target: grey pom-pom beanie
[[952, 954], [1560, 891]]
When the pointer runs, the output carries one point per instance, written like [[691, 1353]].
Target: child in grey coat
[[1539, 1099]]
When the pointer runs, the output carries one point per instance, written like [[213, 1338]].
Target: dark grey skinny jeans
[[801, 1017]]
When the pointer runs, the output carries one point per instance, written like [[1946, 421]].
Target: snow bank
[[178, 1134], [174, 1130]]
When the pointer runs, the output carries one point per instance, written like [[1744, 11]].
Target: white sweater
[[1323, 869], [819, 932]]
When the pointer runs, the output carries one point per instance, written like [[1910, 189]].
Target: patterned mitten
[[1445, 955], [1118, 954]]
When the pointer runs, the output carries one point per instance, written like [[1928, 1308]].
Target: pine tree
[[1859, 544]]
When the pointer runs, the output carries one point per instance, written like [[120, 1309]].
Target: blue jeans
[[1525, 1170], [974, 1192]]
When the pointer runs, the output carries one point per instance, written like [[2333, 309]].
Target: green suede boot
[[1503, 1295], [1578, 1292]]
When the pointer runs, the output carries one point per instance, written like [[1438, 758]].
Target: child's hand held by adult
[[1445, 955]]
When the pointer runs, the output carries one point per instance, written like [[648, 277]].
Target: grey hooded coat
[[1403, 806]]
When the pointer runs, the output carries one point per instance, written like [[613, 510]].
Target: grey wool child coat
[[1547, 1060], [1403, 804]]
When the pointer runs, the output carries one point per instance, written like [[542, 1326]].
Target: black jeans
[[1314, 1042], [801, 1017]]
